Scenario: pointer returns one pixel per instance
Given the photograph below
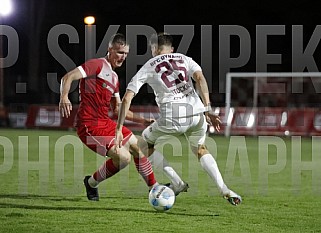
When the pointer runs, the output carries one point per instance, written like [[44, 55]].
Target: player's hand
[[214, 120], [118, 140], [65, 107]]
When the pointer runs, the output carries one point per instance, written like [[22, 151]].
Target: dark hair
[[161, 39], [118, 38]]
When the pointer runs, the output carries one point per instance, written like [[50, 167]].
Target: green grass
[[41, 187]]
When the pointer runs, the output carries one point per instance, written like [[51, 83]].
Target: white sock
[[158, 160], [210, 166], [92, 182]]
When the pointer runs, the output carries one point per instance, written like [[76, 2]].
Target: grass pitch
[[41, 187]]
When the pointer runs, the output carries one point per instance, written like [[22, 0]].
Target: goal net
[[259, 103]]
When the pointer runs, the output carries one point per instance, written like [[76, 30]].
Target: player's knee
[[143, 146], [120, 159], [124, 160], [134, 150], [202, 150]]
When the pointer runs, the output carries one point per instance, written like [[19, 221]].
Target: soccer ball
[[161, 198]]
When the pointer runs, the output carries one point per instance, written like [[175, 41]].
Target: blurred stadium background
[[30, 87], [278, 177]]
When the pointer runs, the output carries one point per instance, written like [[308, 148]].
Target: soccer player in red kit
[[98, 91]]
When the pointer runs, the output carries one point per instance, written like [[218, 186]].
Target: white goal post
[[256, 76]]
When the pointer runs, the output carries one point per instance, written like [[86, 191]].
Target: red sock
[[106, 170], [144, 168]]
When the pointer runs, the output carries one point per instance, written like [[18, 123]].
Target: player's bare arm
[[131, 116], [123, 111], [202, 88], [65, 106]]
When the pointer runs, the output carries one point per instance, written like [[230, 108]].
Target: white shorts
[[193, 127]]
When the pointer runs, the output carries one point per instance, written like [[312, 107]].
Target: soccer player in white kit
[[183, 108]]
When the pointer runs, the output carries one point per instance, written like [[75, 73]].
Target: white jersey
[[170, 76]]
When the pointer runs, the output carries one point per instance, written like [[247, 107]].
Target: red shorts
[[100, 136]]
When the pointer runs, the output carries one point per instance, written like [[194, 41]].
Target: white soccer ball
[[161, 198]]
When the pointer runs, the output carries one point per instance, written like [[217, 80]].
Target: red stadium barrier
[[316, 125], [271, 121], [276, 121], [300, 121], [243, 121], [48, 116]]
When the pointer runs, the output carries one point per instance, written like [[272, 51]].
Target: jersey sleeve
[[116, 93], [138, 80], [90, 68], [193, 66]]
